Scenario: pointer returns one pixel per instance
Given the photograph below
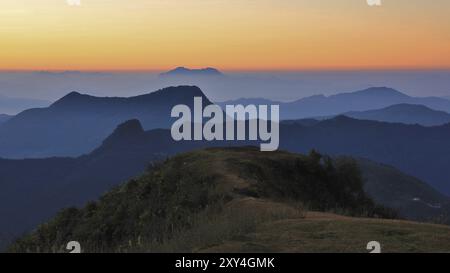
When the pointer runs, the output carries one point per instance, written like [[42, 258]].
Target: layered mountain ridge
[[77, 123]]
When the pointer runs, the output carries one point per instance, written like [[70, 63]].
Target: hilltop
[[235, 199]]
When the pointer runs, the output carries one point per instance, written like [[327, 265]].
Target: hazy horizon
[[282, 86]]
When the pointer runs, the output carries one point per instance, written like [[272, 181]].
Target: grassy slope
[[235, 199], [325, 232]]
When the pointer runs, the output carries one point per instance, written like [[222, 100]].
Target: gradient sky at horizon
[[227, 34]]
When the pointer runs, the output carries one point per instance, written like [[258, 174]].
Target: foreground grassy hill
[[236, 199], [319, 232]]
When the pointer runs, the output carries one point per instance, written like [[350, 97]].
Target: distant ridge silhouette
[[183, 71], [77, 123]]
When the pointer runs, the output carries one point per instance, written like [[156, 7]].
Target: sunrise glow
[[228, 34]]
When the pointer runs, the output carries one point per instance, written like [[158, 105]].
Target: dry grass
[[331, 233], [237, 218]]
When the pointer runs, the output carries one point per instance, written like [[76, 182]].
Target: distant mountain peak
[[128, 130], [183, 71], [72, 97], [73, 94]]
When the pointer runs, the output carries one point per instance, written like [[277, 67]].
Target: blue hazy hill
[[78, 123]]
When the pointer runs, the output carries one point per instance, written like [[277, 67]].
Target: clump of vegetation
[[320, 182], [202, 198]]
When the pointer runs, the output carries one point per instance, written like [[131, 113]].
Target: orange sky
[[227, 34]]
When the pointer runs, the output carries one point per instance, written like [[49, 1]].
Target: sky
[[235, 35]]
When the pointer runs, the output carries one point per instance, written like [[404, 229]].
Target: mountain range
[[77, 123], [363, 100]]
